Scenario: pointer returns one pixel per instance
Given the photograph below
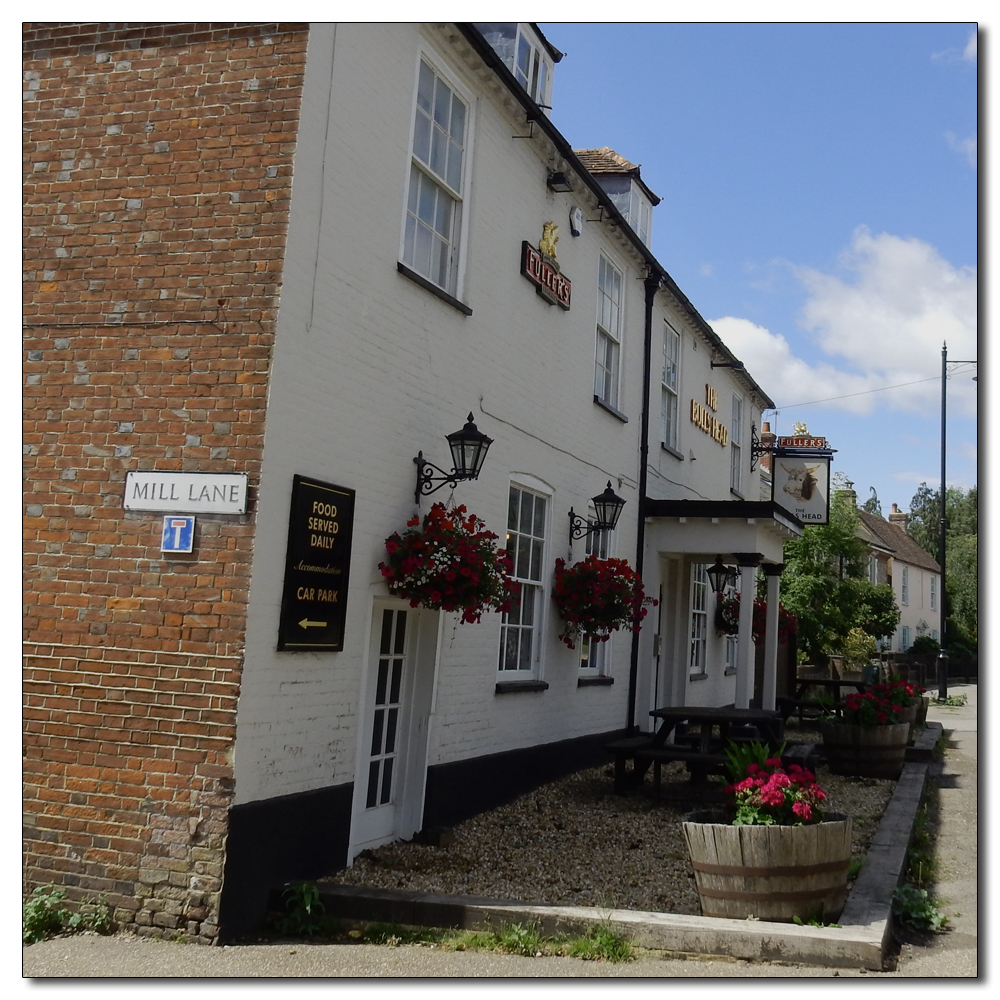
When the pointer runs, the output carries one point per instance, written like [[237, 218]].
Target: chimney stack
[[900, 517]]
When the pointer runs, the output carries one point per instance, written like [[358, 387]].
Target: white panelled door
[[389, 785]]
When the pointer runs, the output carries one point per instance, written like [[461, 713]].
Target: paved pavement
[[953, 954]]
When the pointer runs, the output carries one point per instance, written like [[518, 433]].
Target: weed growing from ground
[[304, 915], [43, 915], [915, 909]]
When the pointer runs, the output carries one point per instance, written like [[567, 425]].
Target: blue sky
[[819, 209]]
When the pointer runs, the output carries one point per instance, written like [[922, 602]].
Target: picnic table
[[799, 706], [700, 736]]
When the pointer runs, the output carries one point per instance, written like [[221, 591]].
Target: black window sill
[[697, 677], [671, 451], [431, 287], [512, 687], [587, 682], [614, 412], [729, 673]]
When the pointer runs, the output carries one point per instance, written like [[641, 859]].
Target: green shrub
[[925, 644]]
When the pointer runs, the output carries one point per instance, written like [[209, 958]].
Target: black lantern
[[468, 452], [608, 506], [558, 181], [720, 576]]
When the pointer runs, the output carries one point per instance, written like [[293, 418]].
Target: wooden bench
[[803, 754], [626, 750], [804, 708], [699, 763]]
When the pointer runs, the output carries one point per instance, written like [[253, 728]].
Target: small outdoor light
[[608, 507], [468, 452], [720, 576], [558, 181]]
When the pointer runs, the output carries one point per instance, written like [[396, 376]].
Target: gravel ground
[[574, 842]]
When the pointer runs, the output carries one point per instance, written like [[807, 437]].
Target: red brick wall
[[157, 166]]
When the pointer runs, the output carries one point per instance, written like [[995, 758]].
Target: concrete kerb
[[861, 940]]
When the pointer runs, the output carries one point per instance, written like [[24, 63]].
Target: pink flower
[[803, 810]]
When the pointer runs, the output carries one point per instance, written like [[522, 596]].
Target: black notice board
[[317, 566]]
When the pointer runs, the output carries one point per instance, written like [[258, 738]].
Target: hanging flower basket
[[596, 597], [450, 563], [727, 619]]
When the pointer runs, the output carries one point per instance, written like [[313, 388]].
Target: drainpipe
[[652, 284]]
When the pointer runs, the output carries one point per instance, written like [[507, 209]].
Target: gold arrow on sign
[[305, 623]]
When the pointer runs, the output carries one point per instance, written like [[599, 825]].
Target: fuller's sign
[[317, 564], [800, 441], [190, 492], [545, 276]]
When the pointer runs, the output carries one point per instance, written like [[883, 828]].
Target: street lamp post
[[942, 661]]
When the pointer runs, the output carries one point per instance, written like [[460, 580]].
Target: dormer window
[[526, 53], [622, 182], [631, 202]]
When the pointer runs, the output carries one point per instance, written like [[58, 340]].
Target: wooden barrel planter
[[922, 707], [769, 872], [909, 717], [865, 751]]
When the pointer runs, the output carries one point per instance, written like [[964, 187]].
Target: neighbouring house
[[270, 267], [895, 558]]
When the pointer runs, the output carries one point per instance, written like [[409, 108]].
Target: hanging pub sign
[[801, 483], [542, 270], [317, 564]]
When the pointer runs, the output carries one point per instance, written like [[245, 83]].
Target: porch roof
[[723, 526]]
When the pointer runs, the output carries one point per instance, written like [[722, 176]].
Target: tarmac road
[[952, 954]]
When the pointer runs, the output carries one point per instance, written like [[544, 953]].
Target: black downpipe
[[652, 285]]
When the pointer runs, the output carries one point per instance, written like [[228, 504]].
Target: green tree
[[824, 584], [961, 556]]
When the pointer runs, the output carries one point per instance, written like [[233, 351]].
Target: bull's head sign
[[802, 487]]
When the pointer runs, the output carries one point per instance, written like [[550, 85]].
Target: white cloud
[[880, 322], [970, 53], [969, 148]]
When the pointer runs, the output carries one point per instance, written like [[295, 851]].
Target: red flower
[[452, 564], [596, 597]]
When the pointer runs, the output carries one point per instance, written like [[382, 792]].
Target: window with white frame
[[904, 586], [595, 657], [519, 631], [432, 233], [523, 54], [904, 639], [629, 199], [609, 318], [699, 619], [934, 581], [735, 448], [670, 384]]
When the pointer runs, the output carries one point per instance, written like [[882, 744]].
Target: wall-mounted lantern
[[721, 576], [608, 507], [558, 181], [468, 452]]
